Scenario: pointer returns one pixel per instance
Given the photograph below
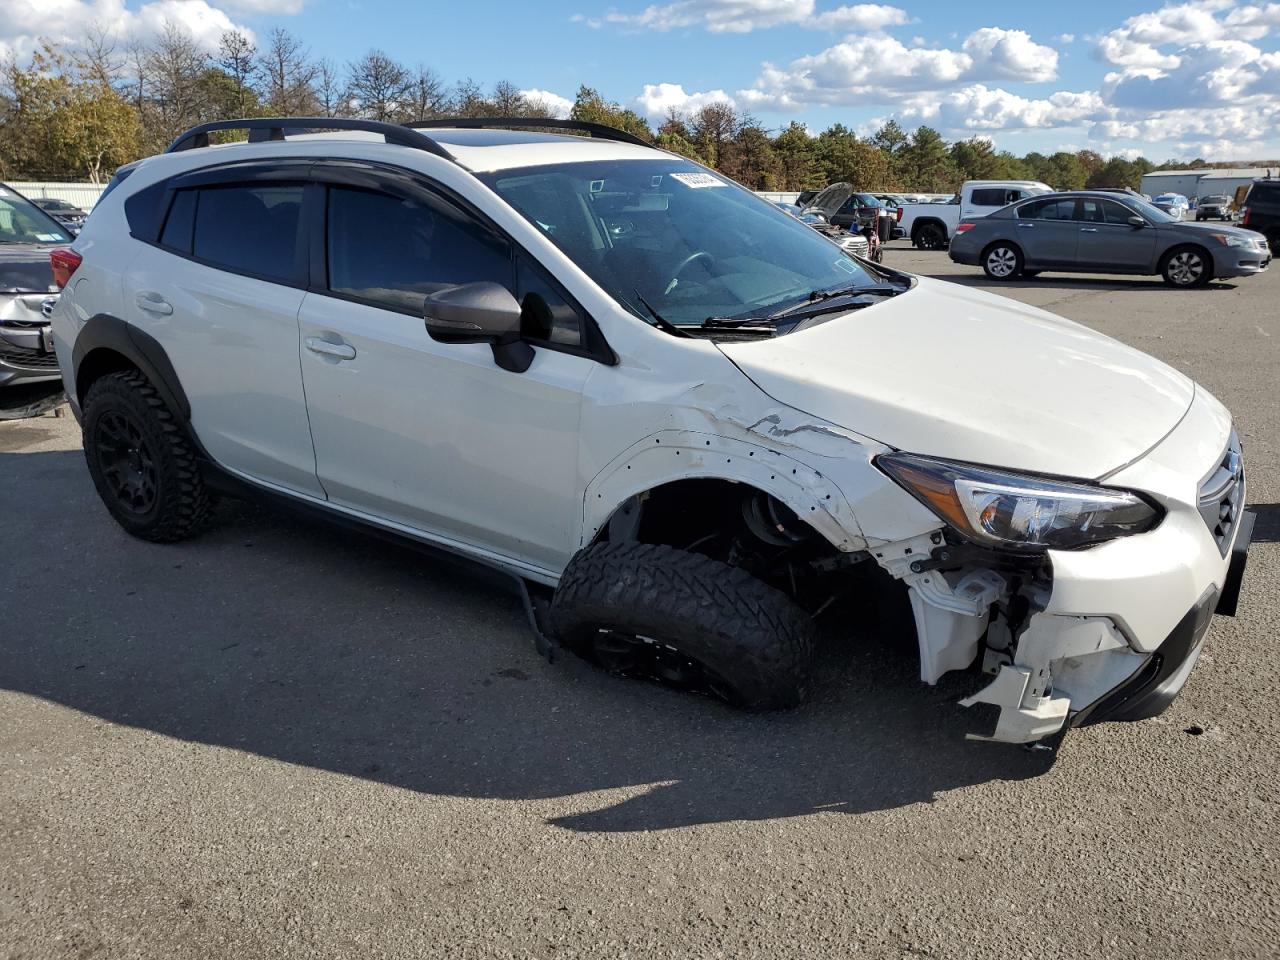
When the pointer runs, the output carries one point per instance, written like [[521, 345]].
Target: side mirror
[[482, 312], [1136, 221]]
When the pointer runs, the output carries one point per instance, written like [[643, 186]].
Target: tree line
[[79, 112]]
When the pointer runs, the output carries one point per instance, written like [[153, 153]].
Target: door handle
[[339, 351], [1088, 229], [152, 302], [1027, 226]]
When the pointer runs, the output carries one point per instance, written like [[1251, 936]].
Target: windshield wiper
[[659, 321], [820, 296]]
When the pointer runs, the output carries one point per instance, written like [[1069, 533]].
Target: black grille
[[28, 359], [1222, 495]]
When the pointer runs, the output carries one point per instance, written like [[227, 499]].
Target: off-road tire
[[1178, 269], [754, 640], [179, 505]]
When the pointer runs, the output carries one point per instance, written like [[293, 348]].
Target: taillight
[[962, 227], [1244, 216], [65, 262]]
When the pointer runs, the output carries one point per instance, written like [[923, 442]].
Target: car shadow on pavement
[[1266, 528], [1067, 282], [308, 644]]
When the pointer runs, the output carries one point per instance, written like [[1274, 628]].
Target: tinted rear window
[[250, 229]]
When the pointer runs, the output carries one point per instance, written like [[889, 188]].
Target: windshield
[[1152, 213], [23, 222], [673, 235], [1213, 200]]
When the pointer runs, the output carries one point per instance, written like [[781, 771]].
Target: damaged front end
[[1045, 666]]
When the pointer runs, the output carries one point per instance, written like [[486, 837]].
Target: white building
[[1200, 183]]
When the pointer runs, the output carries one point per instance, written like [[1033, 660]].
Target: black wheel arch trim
[[106, 332]]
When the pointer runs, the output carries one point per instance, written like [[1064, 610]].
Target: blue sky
[[1198, 78]]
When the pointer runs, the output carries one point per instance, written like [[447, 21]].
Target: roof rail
[[599, 131], [273, 128]]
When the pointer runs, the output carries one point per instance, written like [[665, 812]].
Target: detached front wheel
[[687, 620]]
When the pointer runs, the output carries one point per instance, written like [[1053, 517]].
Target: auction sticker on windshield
[[698, 180]]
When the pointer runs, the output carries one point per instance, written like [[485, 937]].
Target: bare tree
[[329, 90], [469, 100], [174, 66], [237, 57], [97, 57], [288, 75], [379, 88], [430, 97]]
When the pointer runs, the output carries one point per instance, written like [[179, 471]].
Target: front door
[[430, 435], [1108, 241]]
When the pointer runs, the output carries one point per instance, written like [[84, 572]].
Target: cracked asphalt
[[287, 740]]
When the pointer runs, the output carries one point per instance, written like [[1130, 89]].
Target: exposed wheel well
[[97, 364], [737, 524]]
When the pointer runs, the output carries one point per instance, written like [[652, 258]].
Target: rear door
[[220, 289], [1047, 232], [1108, 241], [430, 435]]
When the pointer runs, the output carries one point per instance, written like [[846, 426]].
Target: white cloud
[[1139, 41], [744, 16], [24, 22], [861, 16], [558, 105], [978, 107], [859, 68], [656, 100], [1010, 54], [1066, 38]]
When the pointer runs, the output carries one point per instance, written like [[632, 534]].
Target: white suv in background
[[603, 368]]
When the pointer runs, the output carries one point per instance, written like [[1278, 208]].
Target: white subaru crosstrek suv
[[607, 370]]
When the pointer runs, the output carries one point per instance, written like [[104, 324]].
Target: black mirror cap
[[1136, 221], [482, 312]]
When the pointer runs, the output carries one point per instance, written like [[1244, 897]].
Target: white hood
[[947, 371]]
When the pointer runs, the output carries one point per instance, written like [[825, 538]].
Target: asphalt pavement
[[288, 740]]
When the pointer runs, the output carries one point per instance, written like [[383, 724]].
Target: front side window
[[250, 229], [392, 251], [21, 221], [671, 234]]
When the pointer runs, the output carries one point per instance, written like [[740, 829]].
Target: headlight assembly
[[1014, 511], [1231, 240]]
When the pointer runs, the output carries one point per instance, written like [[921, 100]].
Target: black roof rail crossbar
[[598, 130], [273, 128]]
